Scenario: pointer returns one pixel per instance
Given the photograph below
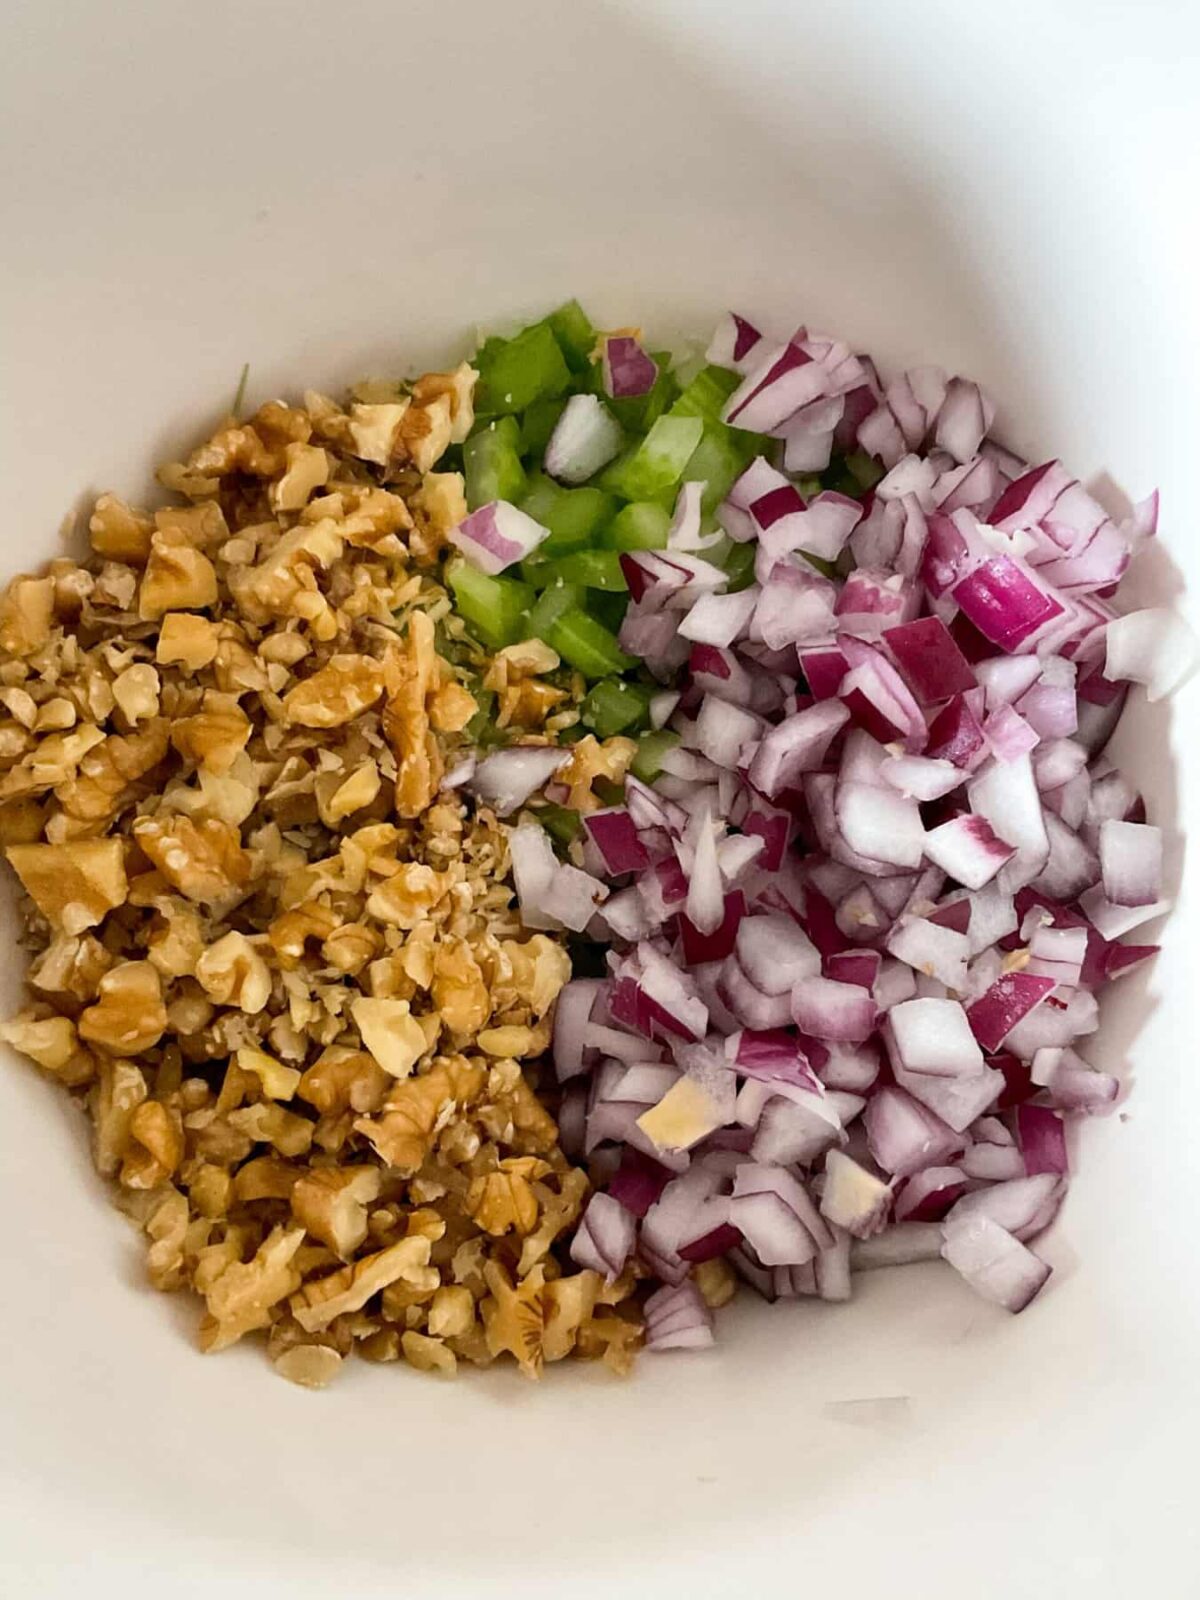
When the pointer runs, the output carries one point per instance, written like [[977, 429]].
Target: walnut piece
[[73, 885]]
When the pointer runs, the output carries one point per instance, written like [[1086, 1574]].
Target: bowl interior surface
[[331, 192]]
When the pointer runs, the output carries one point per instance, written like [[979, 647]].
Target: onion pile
[[857, 926]]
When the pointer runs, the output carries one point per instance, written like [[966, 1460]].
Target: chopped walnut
[[351, 1287], [331, 1203], [129, 1016], [428, 1355], [396, 1039], [341, 691], [178, 577], [233, 973], [75, 884], [277, 961], [312, 1366]]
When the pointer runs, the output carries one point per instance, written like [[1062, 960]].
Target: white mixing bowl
[[332, 190]]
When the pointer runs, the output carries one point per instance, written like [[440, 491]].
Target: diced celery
[[607, 606], [560, 822], [614, 706], [707, 393], [655, 465], [482, 724], [808, 486], [593, 569], [551, 604], [572, 515], [608, 793], [739, 564], [585, 644], [538, 424], [492, 608], [643, 525], [515, 372], [865, 470], [492, 463], [719, 459], [573, 329], [652, 747]]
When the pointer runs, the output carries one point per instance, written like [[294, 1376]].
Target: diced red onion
[[929, 1194], [733, 343], [996, 1265], [830, 1010], [854, 1198], [626, 368], [933, 1038], [497, 535]]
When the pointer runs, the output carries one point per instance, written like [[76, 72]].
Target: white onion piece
[[719, 619], [880, 823], [1113, 921], [920, 778], [1005, 796], [586, 437], [790, 1131], [775, 953], [936, 951], [933, 1038], [1023, 1207], [957, 1101], [506, 779], [1153, 647], [1131, 862], [723, 731]]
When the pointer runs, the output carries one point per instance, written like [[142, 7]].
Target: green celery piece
[[707, 393], [586, 644], [572, 515], [492, 608], [482, 724], [865, 471], [576, 336], [642, 525], [614, 706], [538, 424], [608, 792], [551, 604], [719, 459], [808, 487], [739, 564], [516, 372], [607, 606], [492, 463], [652, 747], [656, 465], [593, 569], [560, 822]]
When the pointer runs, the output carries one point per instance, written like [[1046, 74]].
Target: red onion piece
[[496, 536], [996, 1265], [838, 1011], [627, 370], [1042, 1141], [854, 1198], [733, 343]]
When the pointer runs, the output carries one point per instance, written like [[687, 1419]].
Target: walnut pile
[[275, 958]]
